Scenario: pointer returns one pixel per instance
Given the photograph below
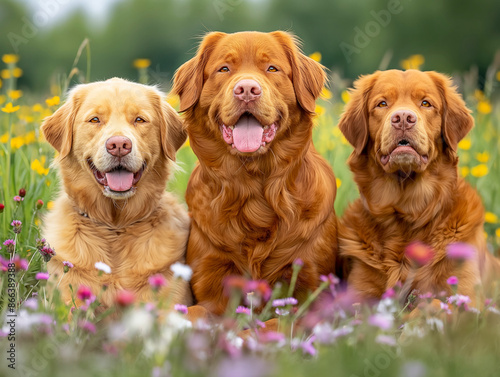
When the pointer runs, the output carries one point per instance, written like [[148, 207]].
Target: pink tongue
[[247, 134], [120, 180]]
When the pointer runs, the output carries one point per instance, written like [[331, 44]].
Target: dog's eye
[[224, 69], [426, 104], [94, 120], [382, 104], [140, 120], [272, 68]]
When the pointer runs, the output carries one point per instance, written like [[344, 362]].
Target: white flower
[[101, 266], [181, 271]]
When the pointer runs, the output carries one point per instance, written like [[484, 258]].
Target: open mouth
[[118, 179], [401, 149], [248, 135]]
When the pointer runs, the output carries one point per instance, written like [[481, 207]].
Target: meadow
[[339, 337]]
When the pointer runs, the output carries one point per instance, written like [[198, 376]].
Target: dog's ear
[[172, 131], [189, 78], [308, 76], [354, 120], [457, 120], [58, 128]]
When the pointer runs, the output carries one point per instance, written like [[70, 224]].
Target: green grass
[[139, 344]]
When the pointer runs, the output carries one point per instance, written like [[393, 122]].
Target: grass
[[353, 340]]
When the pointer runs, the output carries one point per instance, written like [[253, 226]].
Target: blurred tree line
[[353, 36]]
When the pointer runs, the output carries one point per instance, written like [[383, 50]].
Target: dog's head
[[113, 135], [405, 120], [251, 86]]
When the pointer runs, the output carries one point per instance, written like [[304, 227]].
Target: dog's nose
[[247, 90], [119, 146], [403, 119]]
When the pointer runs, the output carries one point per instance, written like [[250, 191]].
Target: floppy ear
[[189, 78], [308, 76], [354, 120], [457, 120], [58, 128], [172, 131]]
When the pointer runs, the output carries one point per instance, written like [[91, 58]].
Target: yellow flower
[[54, 101], [142, 63], [2, 98], [17, 72], [186, 144], [50, 205], [339, 182], [4, 138], [173, 101], [326, 94], [345, 96], [5, 74], [37, 108], [10, 109], [464, 144], [336, 132], [38, 166], [497, 232], [1, 83], [319, 110], [478, 93], [316, 56], [483, 157], [498, 75], [490, 217], [484, 107], [17, 142], [15, 94], [464, 171], [10, 58], [413, 62], [479, 171], [30, 137]]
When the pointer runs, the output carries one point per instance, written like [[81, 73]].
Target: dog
[[261, 196], [117, 141], [405, 127]]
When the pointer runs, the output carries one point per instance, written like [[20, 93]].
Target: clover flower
[[42, 276], [460, 251], [284, 302], [181, 271], [47, 252], [157, 281], [243, 310], [17, 225], [125, 298], [84, 293], [18, 198], [67, 266], [10, 245], [101, 266], [181, 308]]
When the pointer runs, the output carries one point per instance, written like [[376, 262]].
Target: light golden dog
[[261, 195], [405, 127], [116, 142]]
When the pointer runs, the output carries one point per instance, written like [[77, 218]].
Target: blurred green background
[[353, 36]]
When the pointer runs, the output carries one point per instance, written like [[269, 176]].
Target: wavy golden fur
[[254, 213], [409, 186], [138, 232]]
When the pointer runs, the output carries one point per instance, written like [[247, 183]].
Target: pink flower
[[460, 251], [285, 301], [157, 281], [445, 307], [181, 308], [390, 293], [47, 252], [452, 280], [459, 300], [39, 203], [272, 337], [87, 326], [18, 199], [307, 347], [383, 321], [125, 298], [67, 266], [419, 253], [243, 310], [42, 276], [10, 245], [298, 262], [84, 293], [386, 339], [21, 264], [17, 225]]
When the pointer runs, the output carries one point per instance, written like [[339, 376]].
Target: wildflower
[[452, 280], [84, 293], [445, 307], [31, 303], [22, 192], [17, 225], [47, 252], [42, 276], [2, 206], [260, 287], [390, 293], [316, 56], [39, 204], [15, 94], [142, 63], [67, 266], [17, 72], [281, 312], [20, 263], [38, 166], [18, 199], [101, 266], [383, 321], [298, 262], [40, 243], [345, 96], [386, 339], [181, 308], [125, 298], [285, 302], [479, 171], [490, 218], [272, 337], [307, 347], [325, 334], [181, 270], [157, 281], [419, 253], [10, 245], [460, 251], [87, 326], [54, 101], [326, 94], [459, 300], [413, 62], [10, 58], [243, 310], [484, 107]]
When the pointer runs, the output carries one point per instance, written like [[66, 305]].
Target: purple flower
[[84, 293], [243, 310], [42, 276], [285, 301], [67, 266], [383, 321], [40, 243], [390, 293], [445, 307], [10, 245], [385, 339], [18, 199], [272, 337], [181, 308], [31, 303], [87, 326], [459, 300], [157, 281], [308, 348], [298, 262], [17, 225], [452, 280], [47, 253], [460, 251], [21, 264]]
